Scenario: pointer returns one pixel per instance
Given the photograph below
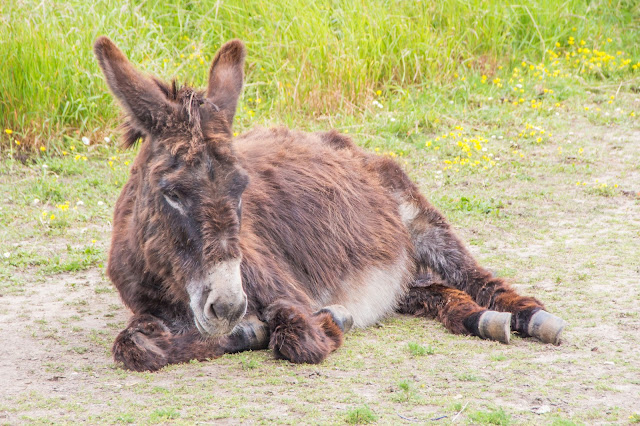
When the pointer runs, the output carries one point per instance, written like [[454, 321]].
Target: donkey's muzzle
[[220, 314], [229, 309], [218, 300]]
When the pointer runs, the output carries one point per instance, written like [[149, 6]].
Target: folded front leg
[[148, 345], [301, 336]]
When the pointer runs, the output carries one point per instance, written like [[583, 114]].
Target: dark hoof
[[495, 326], [546, 327], [340, 315], [254, 331]]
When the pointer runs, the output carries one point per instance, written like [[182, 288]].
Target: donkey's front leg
[[147, 344], [304, 337]]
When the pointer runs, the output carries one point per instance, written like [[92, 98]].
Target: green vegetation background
[[305, 59]]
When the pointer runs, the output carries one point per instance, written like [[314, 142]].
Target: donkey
[[276, 239]]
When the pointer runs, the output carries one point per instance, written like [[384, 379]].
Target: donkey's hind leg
[[438, 249], [303, 337], [455, 309], [147, 344]]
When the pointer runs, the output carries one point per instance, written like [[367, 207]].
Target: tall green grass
[[304, 58]]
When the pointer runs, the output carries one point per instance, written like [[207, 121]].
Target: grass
[[163, 414], [305, 60], [490, 417], [417, 349], [360, 416], [528, 150]]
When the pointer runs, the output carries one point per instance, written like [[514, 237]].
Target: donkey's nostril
[[220, 309], [212, 311], [225, 309]]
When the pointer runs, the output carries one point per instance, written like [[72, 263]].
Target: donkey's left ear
[[143, 100], [226, 77]]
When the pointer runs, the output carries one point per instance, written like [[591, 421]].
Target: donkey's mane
[[188, 101]]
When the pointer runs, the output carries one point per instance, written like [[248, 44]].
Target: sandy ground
[[576, 251]]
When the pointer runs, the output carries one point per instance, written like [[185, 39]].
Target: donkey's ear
[[226, 77], [146, 105]]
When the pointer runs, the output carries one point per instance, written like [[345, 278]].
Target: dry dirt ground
[[575, 247]]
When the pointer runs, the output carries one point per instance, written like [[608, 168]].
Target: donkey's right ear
[[144, 102], [226, 77]]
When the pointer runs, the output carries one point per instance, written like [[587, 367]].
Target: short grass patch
[[490, 417], [417, 349], [163, 414], [360, 416]]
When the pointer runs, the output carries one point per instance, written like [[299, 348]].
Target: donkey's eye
[[173, 199], [173, 196]]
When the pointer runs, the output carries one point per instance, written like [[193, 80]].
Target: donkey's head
[[187, 204]]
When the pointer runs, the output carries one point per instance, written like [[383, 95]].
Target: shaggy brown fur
[[312, 221]]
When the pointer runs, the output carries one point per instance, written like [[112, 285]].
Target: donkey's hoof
[[254, 331], [546, 327], [495, 326], [340, 315]]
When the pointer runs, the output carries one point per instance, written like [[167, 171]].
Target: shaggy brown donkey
[[276, 238]]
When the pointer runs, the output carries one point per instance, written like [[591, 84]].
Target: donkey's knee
[[144, 345]]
